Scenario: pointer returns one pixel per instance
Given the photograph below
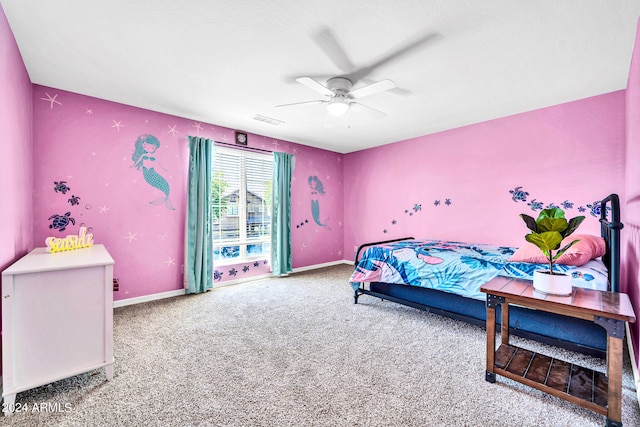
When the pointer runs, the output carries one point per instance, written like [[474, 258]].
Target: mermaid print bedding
[[457, 267]]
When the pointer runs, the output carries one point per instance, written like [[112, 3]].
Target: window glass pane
[[225, 253], [233, 253], [259, 173], [241, 205], [259, 250], [225, 188]]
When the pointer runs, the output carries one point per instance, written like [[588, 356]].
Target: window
[[241, 205]]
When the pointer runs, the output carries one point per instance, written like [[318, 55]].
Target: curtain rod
[[242, 147]]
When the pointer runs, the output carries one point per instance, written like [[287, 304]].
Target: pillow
[[589, 247]]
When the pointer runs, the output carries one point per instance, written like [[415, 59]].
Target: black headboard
[[361, 247], [610, 227]]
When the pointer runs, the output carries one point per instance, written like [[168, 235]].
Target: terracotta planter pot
[[555, 284]]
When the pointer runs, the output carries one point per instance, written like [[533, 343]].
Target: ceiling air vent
[[269, 120]]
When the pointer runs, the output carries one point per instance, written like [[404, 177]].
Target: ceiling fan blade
[[317, 101], [373, 112], [328, 42], [406, 49], [363, 72], [397, 90], [372, 88], [312, 84]]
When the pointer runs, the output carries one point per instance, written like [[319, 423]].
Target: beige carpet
[[296, 351]]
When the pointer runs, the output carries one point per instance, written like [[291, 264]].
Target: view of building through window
[[241, 205]]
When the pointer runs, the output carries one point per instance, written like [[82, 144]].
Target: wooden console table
[[596, 391]]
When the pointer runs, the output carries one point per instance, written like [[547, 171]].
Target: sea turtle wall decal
[[60, 222], [61, 187]]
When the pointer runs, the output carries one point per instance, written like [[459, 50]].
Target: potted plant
[[547, 233]]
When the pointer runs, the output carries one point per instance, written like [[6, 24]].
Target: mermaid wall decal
[[144, 159], [317, 190]]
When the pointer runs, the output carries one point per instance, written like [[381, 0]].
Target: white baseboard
[[246, 279], [266, 276], [316, 266], [178, 292], [634, 365], [147, 298]]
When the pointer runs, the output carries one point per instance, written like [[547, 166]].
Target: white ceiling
[[225, 61]]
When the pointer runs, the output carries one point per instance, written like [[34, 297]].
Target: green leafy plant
[[548, 231]]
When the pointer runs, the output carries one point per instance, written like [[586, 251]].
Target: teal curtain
[[198, 264], [283, 164]]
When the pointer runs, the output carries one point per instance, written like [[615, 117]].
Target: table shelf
[[571, 382]]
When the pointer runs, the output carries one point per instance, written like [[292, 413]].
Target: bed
[[444, 277]]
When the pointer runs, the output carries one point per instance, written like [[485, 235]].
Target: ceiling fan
[[339, 97]]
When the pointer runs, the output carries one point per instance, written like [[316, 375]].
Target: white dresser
[[57, 318]]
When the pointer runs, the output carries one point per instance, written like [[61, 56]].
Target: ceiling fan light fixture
[[338, 106]]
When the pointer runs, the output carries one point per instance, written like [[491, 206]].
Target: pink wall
[[631, 213], [86, 144], [16, 151], [458, 184]]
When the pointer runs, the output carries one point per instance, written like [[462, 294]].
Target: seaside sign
[[70, 243]]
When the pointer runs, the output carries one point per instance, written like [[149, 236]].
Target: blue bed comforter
[[457, 267]]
